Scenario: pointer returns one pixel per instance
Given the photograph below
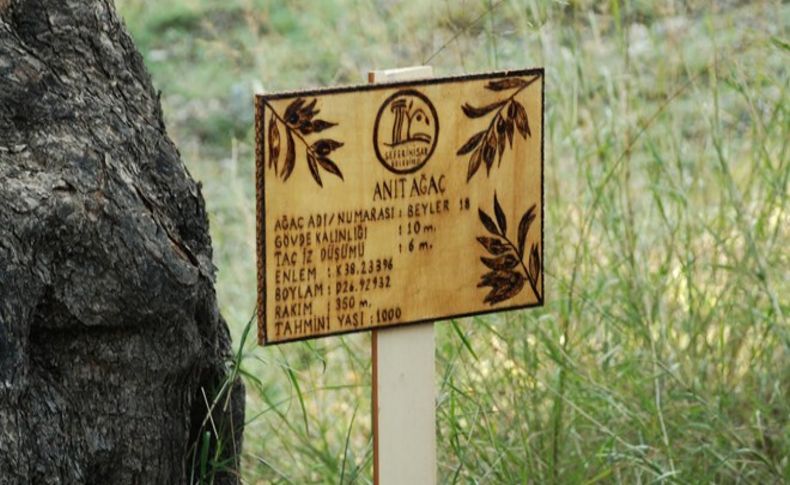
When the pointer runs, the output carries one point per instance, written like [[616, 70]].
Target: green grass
[[663, 352]]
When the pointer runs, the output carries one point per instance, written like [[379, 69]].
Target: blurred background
[[663, 352]]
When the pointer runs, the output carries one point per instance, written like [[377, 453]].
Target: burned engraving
[[406, 131]]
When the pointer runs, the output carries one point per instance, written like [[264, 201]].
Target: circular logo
[[406, 131]]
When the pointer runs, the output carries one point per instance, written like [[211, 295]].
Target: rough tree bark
[[109, 328]]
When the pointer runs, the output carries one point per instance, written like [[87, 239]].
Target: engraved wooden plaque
[[398, 203]]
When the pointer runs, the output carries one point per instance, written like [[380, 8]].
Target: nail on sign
[[389, 204]]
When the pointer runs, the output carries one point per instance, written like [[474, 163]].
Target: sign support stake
[[404, 387]]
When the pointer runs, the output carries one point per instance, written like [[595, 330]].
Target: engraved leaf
[[509, 83], [311, 162], [307, 112], [489, 150], [326, 146], [290, 157], [330, 166], [500, 216], [506, 291], [534, 264], [321, 125], [274, 143], [501, 129], [488, 222], [492, 278], [522, 123], [473, 112], [471, 143], [474, 164], [509, 128], [506, 261], [523, 228], [504, 284], [493, 245]]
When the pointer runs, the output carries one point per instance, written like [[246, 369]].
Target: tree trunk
[[109, 328]]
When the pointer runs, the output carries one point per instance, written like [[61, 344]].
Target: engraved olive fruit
[[293, 119], [323, 148], [306, 127]]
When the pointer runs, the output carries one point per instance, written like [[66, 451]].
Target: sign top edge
[[386, 85]]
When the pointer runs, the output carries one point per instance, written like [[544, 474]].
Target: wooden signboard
[[397, 203]]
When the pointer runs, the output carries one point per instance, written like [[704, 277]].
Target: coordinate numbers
[[364, 267], [363, 284]]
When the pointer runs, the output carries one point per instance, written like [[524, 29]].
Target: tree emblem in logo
[[406, 131]]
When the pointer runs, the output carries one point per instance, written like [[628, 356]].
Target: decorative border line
[[261, 204], [260, 210]]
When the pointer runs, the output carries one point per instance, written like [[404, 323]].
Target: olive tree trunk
[[111, 343]]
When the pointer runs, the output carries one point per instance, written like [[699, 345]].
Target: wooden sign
[[389, 204]]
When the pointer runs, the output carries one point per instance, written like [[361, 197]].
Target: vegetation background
[[663, 352]]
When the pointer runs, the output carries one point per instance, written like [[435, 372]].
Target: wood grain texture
[[434, 209], [109, 326]]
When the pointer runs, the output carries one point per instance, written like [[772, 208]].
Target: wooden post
[[404, 389]]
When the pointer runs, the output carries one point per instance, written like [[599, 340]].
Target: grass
[[663, 352]]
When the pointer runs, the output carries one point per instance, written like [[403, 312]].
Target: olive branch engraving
[[485, 144], [508, 271], [298, 120]]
